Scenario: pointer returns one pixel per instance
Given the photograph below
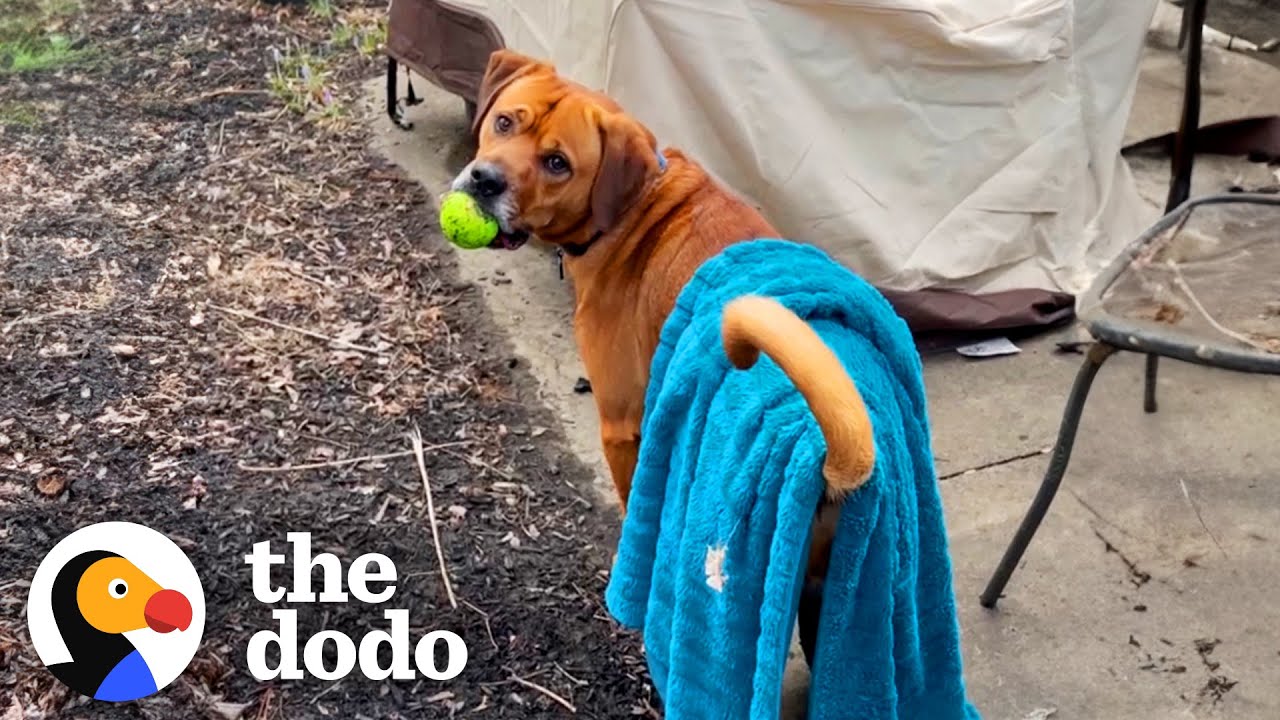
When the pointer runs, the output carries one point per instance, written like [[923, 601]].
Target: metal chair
[[1113, 332]]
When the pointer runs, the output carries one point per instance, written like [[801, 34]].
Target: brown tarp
[[1257, 138], [450, 45], [443, 42]]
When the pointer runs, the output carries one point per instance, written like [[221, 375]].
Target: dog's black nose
[[488, 181]]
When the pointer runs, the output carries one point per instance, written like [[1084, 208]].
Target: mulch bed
[[199, 286]]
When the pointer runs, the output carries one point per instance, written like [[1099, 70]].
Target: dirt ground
[[200, 285]]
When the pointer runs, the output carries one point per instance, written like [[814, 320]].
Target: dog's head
[[555, 159]]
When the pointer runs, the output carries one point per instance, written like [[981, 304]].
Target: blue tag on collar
[[662, 162]]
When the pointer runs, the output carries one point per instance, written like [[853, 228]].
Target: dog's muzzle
[[487, 183]]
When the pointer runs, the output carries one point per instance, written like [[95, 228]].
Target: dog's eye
[[556, 164], [503, 123]]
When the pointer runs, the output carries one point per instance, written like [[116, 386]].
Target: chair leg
[[411, 98], [1097, 355], [393, 105], [1149, 389]]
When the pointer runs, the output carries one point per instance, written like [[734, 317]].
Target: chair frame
[[1112, 334]]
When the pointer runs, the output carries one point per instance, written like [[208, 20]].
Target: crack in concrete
[[995, 463], [1137, 575]]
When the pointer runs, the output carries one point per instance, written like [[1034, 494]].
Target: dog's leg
[[825, 522], [621, 440], [810, 612]]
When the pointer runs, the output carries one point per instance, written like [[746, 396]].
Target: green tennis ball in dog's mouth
[[464, 223]]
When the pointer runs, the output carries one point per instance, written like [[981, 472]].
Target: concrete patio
[[1148, 593]]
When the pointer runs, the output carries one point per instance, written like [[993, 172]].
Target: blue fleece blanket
[[712, 555]]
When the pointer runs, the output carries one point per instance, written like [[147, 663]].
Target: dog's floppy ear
[[628, 158], [504, 67]]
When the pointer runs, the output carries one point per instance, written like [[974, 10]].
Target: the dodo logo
[[116, 611]]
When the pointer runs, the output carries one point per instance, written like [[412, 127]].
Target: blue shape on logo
[[130, 679]]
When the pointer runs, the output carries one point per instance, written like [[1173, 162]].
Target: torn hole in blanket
[[714, 567]]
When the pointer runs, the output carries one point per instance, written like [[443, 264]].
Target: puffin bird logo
[[104, 626], [97, 597]]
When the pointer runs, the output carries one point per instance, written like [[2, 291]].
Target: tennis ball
[[464, 223]]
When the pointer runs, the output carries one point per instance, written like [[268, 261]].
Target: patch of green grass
[[364, 32], [33, 36], [20, 114], [344, 34], [302, 77], [301, 81], [50, 53], [321, 8], [333, 112]]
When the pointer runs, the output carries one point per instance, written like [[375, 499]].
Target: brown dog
[[566, 164]]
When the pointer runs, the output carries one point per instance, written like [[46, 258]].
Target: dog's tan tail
[[753, 324]]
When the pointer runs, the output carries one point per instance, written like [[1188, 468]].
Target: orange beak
[[168, 610]]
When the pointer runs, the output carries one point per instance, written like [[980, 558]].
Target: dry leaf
[[123, 350], [51, 485], [111, 416], [350, 332], [229, 710], [199, 488], [1171, 314]]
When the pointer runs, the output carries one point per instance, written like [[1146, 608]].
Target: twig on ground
[[565, 673], [239, 159], [482, 464], [382, 511], [325, 691], [223, 91], [487, 628], [535, 686], [345, 461], [303, 276], [264, 703], [415, 438], [293, 328], [1196, 509], [31, 319], [326, 464]]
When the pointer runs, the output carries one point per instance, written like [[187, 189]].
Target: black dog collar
[[580, 249]]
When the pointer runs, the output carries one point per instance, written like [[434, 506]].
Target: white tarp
[[971, 145]]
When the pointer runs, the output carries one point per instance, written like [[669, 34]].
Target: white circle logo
[[116, 611]]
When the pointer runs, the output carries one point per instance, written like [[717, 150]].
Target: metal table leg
[[1149, 385], [1098, 353]]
